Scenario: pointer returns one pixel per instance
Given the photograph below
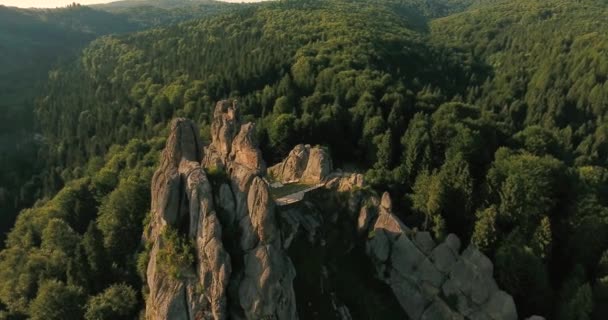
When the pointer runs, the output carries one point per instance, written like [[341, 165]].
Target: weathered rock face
[[435, 281], [245, 150], [264, 284], [304, 163], [253, 280], [241, 238], [428, 280], [182, 200], [224, 128]]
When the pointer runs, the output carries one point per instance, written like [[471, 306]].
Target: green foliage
[[176, 255], [485, 232], [576, 297], [428, 197], [59, 241], [528, 186], [118, 302], [120, 217], [543, 238], [281, 105], [97, 258], [600, 298], [57, 301], [281, 132], [523, 275], [416, 144], [143, 259], [59, 236]]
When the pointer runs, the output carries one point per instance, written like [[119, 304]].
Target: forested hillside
[[32, 42], [155, 13], [482, 118]]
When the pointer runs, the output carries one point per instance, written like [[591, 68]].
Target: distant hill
[[163, 4]]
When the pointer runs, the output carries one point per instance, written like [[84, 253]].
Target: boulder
[[304, 163], [319, 166], [245, 151], [433, 281], [293, 166], [501, 307], [345, 182]]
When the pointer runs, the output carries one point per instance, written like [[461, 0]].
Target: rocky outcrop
[[303, 164], [245, 150], [224, 128], [251, 280], [428, 280], [218, 199], [433, 281], [265, 283], [182, 200]]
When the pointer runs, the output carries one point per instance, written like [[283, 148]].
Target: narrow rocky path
[[296, 196]]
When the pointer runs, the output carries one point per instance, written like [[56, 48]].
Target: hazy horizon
[[63, 3]]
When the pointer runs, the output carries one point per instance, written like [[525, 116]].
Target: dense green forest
[[487, 119], [32, 42]]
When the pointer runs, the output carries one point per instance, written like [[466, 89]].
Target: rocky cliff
[[353, 257], [240, 270]]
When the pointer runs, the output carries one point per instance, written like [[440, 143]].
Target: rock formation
[[429, 280], [218, 199], [224, 128], [434, 281], [303, 164], [252, 280], [182, 200]]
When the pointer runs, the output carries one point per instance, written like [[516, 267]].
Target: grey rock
[[226, 203], [433, 281], [245, 151], [366, 215], [266, 290], [439, 310], [424, 242], [261, 212], [292, 168], [224, 127], [319, 166], [180, 190], [405, 257], [379, 246], [443, 257], [453, 242], [482, 264], [427, 272], [304, 163], [409, 297], [501, 307]]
